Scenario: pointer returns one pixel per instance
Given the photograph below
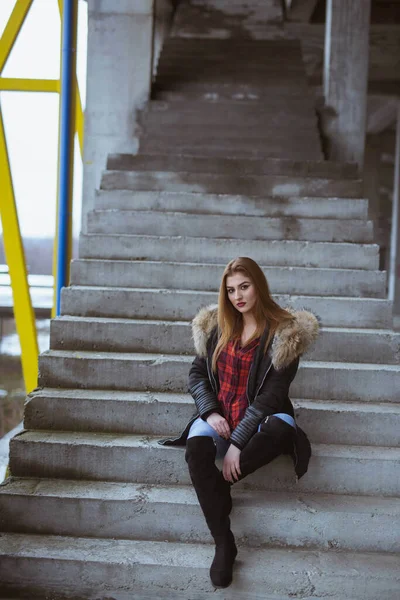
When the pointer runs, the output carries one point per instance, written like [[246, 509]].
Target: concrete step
[[242, 50], [242, 104], [173, 57], [136, 303], [160, 413], [171, 60], [229, 226], [241, 71], [166, 162], [260, 89], [262, 206], [333, 469], [203, 250], [234, 95], [207, 144], [216, 74], [205, 45], [235, 46], [209, 116], [241, 53], [209, 91], [225, 134], [203, 74], [142, 512], [246, 149], [217, 77], [152, 570], [251, 185], [354, 382], [211, 144], [350, 422], [379, 346], [235, 118], [241, 107], [205, 277], [221, 147]]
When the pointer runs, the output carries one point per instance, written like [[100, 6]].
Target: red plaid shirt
[[234, 365]]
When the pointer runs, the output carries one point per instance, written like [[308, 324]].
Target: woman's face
[[241, 292]]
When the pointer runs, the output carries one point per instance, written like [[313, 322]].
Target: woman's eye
[[244, 287]]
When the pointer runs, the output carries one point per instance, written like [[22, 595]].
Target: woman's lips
[[240, 304]]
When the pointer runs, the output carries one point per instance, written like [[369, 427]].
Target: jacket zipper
[[259, 387], [261, 384], [247, 385], [211, 376]]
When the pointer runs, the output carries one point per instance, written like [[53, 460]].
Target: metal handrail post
[[66, 150]]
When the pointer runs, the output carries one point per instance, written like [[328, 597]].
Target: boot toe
[[222, 566], [221, 579]]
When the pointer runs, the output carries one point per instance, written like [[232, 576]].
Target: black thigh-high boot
[[274, 438], [214, 496]]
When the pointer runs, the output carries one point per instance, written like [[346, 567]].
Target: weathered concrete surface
[[380, 346], [211, 114], [92, 454], [116, 85], [280, 206], [160, 413], [214, 19], [136, 566], [302, 106], [230, 96], [250, 88], [232, 111], [350, 422], [252, 185], [221, 226], [247, 149], [168, 372], [138, 303], [394, 261], [167, 162], [137, 512], [163, 14], [284, 280], [222, 133], [205, 250], [337, 469], [346, 78]]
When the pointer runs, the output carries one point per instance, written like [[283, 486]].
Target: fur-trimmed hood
[[290, 340]]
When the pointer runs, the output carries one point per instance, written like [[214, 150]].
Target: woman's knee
[[277, 429], [201, 428], [200, 449]]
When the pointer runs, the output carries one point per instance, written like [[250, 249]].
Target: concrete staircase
[[230, 164]]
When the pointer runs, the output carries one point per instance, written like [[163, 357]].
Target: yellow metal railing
[[12, 239]]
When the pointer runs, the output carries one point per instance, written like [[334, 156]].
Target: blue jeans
[[200, 427]]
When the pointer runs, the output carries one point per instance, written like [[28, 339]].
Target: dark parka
[[270, 376]]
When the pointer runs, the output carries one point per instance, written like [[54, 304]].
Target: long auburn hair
[[267, 311]]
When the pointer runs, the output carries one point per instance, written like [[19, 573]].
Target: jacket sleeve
[[269, 400], [201, 390]]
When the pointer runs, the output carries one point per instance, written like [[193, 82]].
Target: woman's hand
[[231, 467], [219, 424]]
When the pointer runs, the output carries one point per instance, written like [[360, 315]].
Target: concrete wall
[[120, 63], [346, 78]]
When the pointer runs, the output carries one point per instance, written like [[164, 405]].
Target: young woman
[[247, 355]]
